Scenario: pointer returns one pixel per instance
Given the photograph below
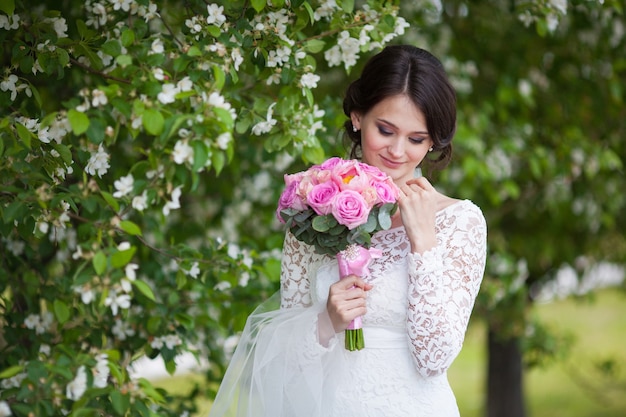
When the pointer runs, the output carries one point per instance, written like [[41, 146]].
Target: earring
[[431, 149], [354, 129]]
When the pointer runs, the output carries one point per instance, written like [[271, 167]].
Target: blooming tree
[[141, 142], [127, 126]]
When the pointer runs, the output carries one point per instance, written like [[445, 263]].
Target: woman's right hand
[[346, 301]]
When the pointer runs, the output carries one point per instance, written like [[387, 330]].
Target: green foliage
[[138, 143], [328, 236]]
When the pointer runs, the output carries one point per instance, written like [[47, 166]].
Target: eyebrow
[[419, 132]]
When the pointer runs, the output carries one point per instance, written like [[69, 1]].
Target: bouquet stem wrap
[[355, 260]]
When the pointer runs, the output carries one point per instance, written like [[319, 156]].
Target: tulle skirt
[[279, 369]]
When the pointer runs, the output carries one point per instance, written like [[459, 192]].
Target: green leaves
[[153, 121], [78, 121]]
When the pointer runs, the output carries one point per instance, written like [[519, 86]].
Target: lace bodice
[[428, 296]]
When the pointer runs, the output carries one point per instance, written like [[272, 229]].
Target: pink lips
[[389, 163]]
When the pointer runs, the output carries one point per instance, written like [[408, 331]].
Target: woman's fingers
[[347, 300]]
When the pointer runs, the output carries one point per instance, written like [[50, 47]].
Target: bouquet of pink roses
[[337, 207]]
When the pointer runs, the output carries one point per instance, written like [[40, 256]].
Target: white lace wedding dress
[[417, 315]]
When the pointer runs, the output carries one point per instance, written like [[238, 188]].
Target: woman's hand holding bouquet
[[337, 207]]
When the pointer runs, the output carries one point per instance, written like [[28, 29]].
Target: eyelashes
[[387, 132]]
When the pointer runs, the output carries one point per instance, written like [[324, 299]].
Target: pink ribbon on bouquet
[[355, 260]]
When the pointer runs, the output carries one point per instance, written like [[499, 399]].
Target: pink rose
[[331, 163], [370, 194], [375, 174], [289, 178], [321, 197], [350, 209], [387, 191], [289, 199]]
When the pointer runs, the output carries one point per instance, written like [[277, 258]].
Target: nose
[[396, 148]]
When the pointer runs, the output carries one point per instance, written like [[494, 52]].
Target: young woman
[[416, 301]]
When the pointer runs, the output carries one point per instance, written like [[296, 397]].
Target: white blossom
[[130, 271], [16, 247], [99, 98], [87, 294], [194, 25], [44, 349], [150, 12], [309, 80], [174, 203], [222, 286], [168, 94], [325, 10], [157, 47], [78, 386], [194, 271], [273, 79], [216, 15], [117, 302], [244, 278], [346, 51], [122, 330], [237, 58], [266, 125], [60, 26], [158, 74], [140, 202], [39, 323], [123, 246], [182, 152], [185, 84], [101, 371], [170, 341], [278, 57], [10, 84], [223, 140], [123, 186], [98, 162], [121, 4], [9, 22]]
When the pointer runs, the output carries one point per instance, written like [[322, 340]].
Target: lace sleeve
[[443, 284], [297, 263]]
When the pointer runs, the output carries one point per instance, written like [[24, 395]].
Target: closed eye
[[384, 131], [417, 141]]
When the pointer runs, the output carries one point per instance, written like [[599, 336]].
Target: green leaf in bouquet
[[300, 217], [324, 223], [384, 215], [337, 230], [360, 238], [371, 223]]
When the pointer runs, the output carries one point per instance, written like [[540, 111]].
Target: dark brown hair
[[416, 73]]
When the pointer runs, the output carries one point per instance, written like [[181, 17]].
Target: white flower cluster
[[98, 162], [556, 9], [124, 186], [77, 387], [101, 371], [98, 11], [12, 83], [266, 125], [9, 22], [169, 90], [14, 381], [347, 49], [39, 323], [16, 247], [170, 341]]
